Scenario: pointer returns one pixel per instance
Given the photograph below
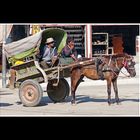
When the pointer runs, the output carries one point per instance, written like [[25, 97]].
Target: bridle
[[125, 64], [128, 65]]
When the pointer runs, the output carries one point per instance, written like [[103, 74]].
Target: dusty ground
[[91, 101]]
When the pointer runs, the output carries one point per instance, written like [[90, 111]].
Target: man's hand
[[74, 57], [54, 58]]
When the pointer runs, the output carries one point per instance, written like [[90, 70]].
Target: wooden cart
[[29, 73]]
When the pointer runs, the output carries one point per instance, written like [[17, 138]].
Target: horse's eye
[[133, 62]]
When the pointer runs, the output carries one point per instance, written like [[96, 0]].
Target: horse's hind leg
[[75, 81], [116, 91], [109, 91]]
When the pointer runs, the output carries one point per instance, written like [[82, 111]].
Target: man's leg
[[44, 65]]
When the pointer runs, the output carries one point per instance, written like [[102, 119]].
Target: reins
[[117, 75], [125, 75]]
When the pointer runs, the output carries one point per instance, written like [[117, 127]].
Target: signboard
[[35, 29]]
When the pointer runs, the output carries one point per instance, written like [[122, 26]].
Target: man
[[69, 50], [49, 53]]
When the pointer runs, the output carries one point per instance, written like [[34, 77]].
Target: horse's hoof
[[73, 103], [113, 102], [118, 103], [109, 103]]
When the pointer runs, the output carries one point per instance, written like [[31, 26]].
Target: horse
[[109, 68]]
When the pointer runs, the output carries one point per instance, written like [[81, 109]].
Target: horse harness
[[107, 66]]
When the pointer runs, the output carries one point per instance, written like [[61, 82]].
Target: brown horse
[[109, 69]]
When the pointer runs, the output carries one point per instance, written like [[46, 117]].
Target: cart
[[21, 55]]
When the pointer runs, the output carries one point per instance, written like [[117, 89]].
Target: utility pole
[[4, 57], [88, 41]]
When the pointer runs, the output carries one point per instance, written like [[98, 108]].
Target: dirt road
[[91, 101]]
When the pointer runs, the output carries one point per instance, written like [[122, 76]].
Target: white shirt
[[48, 53]]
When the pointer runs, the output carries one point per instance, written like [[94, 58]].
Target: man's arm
[[75, 52]]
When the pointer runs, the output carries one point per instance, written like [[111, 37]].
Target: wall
[[128, 32]]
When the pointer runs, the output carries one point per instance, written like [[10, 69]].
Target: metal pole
[[89, 40], [4, 58]]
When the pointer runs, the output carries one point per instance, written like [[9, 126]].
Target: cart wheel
[[60, 92], [30, 93]]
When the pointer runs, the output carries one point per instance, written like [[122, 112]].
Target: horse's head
[[129, 64]]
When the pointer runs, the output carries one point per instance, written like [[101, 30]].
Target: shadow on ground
[[5, 104], [6, 92], [44, 101], [79, 99], [47, 100], [83, 98], [133, 100]]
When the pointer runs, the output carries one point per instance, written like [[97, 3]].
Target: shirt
[[49, 53], [67, 52]]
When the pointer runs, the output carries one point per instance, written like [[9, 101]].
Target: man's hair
[[69, 39]]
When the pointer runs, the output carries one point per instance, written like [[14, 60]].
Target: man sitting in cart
[[49, 53], [69, 50]]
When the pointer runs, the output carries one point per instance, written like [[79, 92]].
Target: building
[[119, 37], [13, 33]]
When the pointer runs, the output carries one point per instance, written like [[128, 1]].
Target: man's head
[[50, 42], [69, 39], [70, 42]]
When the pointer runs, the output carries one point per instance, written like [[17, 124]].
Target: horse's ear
[[133, 60], [126, 54]]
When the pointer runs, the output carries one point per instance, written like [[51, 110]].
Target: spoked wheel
[[30, 93], [60, 92]]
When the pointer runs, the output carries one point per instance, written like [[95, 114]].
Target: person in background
[[69, 50]]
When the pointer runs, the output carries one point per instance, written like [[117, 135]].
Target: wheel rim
[[29, 93]]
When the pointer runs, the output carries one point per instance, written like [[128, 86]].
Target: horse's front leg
[[75, 78], [109, 91], [116, 91], [73, 96]]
